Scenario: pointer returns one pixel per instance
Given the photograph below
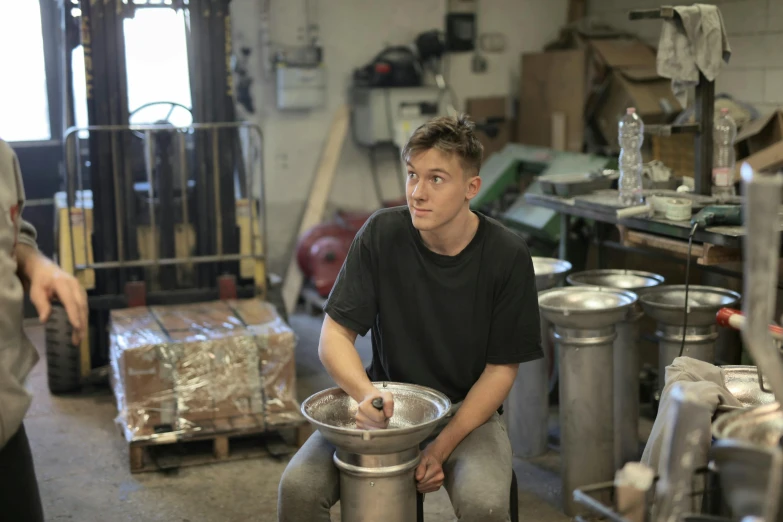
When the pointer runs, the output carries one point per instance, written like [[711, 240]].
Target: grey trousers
[[477, 478]]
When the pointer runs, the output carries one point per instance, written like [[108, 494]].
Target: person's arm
[[351, 310], [338, 354], [482, 401], [42, 278], [514, 339], [26, 252]]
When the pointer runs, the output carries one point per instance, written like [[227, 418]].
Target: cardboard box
[[642, 89], [629, 79], [552, 83], [760, 143], [493, 128], [183, 367]]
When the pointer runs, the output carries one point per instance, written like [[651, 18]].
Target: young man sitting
[[450, 297]]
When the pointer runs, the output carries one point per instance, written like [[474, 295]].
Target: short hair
[[450, 135]]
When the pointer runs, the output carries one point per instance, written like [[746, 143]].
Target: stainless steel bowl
[[417, 411], [634, 280], [549, 271], [757, 426], [585, 307], [743, 383], [666, 303]]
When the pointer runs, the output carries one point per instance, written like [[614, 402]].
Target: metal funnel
[[417, 411], [549, 271], [665, 303], [634, 280], [743, 383], [758, 426], [585, 307], [750, 478]]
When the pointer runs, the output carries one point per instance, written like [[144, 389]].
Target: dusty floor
[[82, 463]]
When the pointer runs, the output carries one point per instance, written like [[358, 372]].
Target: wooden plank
[[706, 254], [559, 136], [209, 446], [317, 200]]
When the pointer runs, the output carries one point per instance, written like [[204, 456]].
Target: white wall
[[352, 32], [755, 29]]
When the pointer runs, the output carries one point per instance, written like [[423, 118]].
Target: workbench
[[712, 246]]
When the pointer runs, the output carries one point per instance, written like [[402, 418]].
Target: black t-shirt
[[437, 320]]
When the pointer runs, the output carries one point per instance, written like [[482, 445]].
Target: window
[[24, 105], [156, 59], [157, 63]]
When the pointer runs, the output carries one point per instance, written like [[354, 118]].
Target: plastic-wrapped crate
[[202, 368]]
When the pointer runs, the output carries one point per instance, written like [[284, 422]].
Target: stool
[[513, 503]]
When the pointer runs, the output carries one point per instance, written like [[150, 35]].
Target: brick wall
[[755, 28]]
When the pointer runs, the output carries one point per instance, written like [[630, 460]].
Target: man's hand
[[48, 281], [368, 417], [429, 473]]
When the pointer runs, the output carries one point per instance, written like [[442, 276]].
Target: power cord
[[687, 285]]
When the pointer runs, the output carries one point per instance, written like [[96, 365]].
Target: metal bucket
[[666, 304], [749, 460], [377, 466], [626, 356], [585, 319]]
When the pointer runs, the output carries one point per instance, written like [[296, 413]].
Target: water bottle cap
[[630, 110]]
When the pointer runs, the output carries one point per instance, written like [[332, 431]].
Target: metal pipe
[[699, 344], [377, 487], [183, 179], [527, 406], [586, 421], [79, 196], [216, 188], [151, 193], [169, 261], [626, 392], [118, 206]]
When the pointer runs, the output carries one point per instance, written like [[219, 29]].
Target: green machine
[[501, 174]]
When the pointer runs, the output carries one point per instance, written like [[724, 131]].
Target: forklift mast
[[217, 171], [152, 214]]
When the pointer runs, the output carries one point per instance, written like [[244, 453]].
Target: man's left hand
[[49, 281], [429, 473]]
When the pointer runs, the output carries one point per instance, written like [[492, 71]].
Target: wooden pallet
[[221, 440]]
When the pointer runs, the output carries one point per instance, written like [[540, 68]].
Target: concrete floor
[[82, 462]]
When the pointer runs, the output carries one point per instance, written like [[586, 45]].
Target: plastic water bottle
[[631, 136], [724, 158]]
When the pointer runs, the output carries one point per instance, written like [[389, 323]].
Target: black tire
[[63, 358]]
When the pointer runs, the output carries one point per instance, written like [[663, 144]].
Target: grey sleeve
[[27, 232]]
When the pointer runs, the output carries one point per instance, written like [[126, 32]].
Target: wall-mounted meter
[[301, 79]]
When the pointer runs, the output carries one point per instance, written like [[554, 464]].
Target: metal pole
[[377, 487], [527, 410], [699, 344], [626, 393], [586, 420]]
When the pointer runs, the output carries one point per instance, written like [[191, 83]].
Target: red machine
[[322, 250]]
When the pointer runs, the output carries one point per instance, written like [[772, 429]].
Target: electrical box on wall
[[300, 87], [460, 32], [301, 78]]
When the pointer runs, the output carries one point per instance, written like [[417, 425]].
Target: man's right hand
[[368, 417]]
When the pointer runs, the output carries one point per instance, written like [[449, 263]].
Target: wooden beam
[[317, 200], [706, 254]]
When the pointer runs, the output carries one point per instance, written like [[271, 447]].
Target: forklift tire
[[63, 358]]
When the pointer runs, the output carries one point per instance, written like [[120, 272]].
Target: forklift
[[154, 213]]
